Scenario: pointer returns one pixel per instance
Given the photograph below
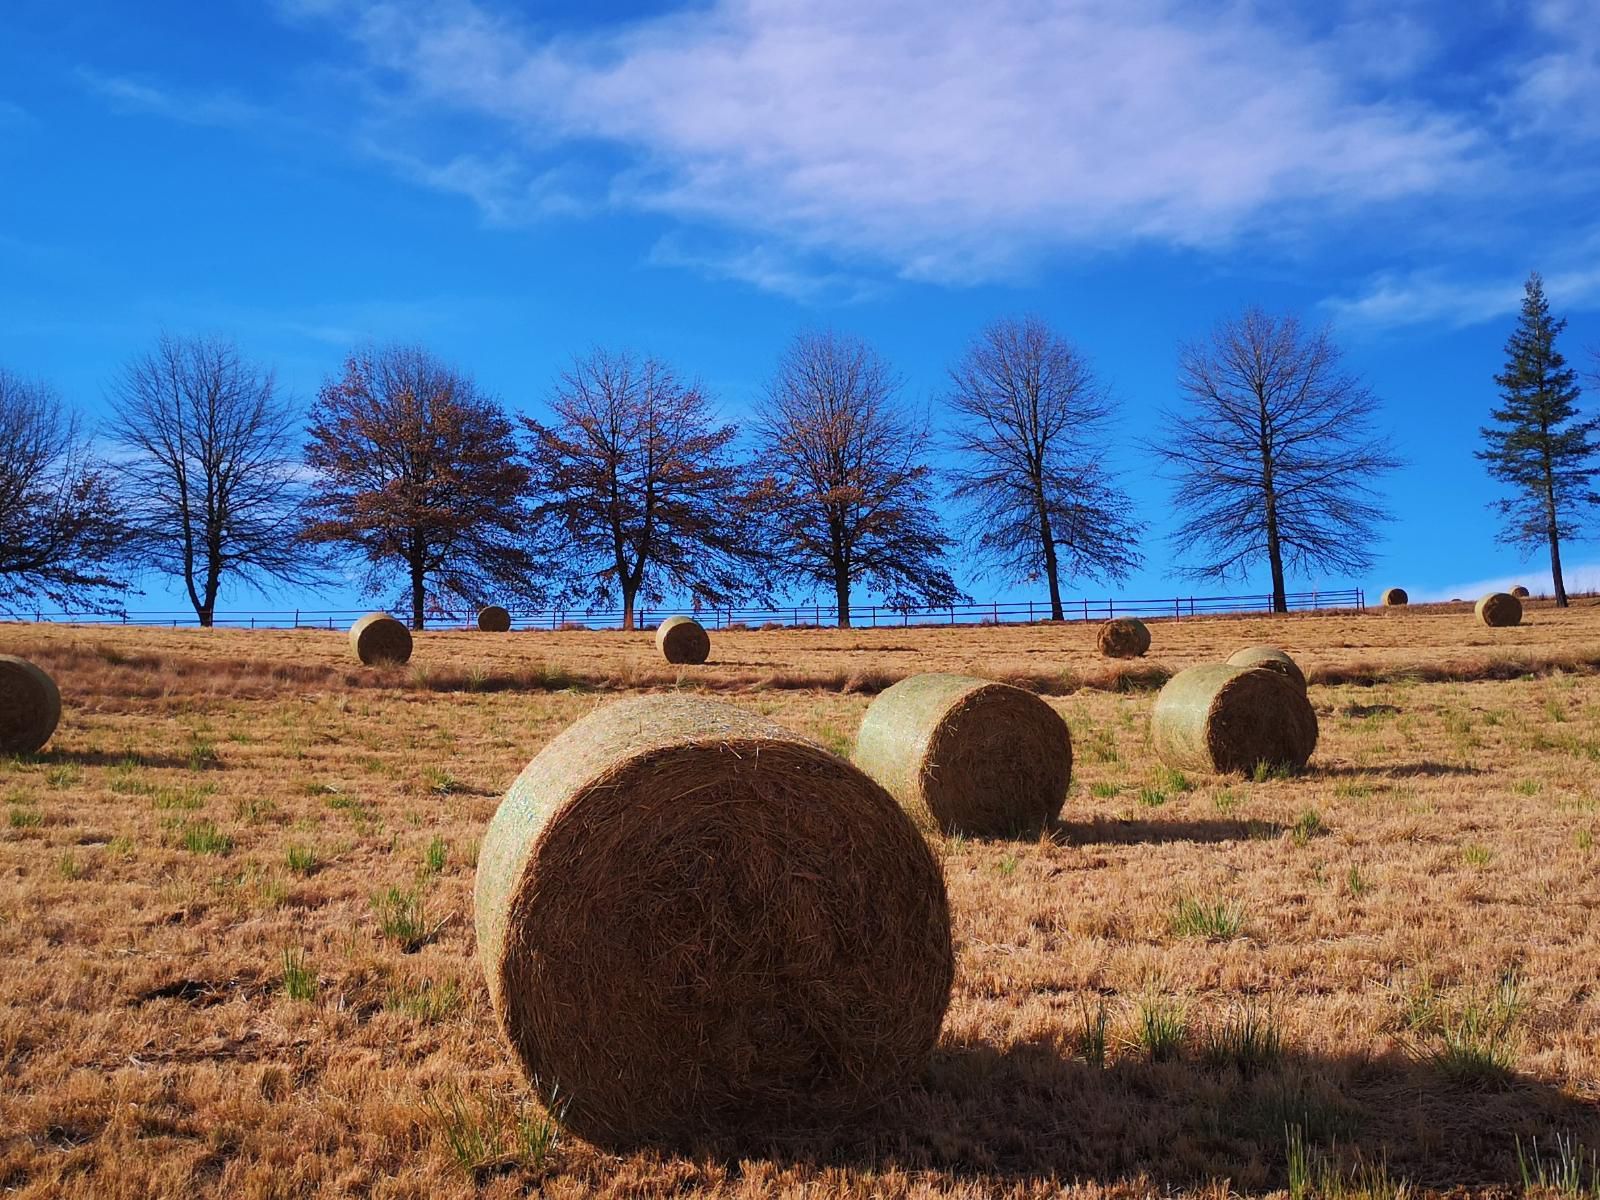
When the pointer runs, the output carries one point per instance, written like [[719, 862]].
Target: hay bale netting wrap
[[494, 619], [1123, 637], [694, 921], [1520, 592], [1271, 658], [30, 706], [378, 638], [1227, 719], [683, 640], [1395, 598], [966, 755], [1499, 609]]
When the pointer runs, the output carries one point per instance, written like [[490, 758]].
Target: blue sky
[[511, 183]]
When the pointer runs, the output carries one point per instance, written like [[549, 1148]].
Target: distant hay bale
[[1499, 609], [695, 922], [1273, 659], [683, 640], [1395, 598], [1520, 592], [1123, 637], [967, 755], [494, 619], [30, 706], [378, 638], [1227, 719]]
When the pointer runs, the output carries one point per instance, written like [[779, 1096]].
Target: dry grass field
[[235, 916]]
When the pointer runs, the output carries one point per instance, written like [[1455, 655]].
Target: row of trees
[[631, 489]]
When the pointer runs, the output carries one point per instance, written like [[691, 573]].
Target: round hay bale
[[30, 706], [1273, 659], [1520, 592], [494, 619], [1226, 719], [1395, 598], [1499, 609], [378, 638], [695, 922], [966, 755], [1123, 637], [683, 640]]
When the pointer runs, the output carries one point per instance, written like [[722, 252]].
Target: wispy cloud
[[1578, 577], [1397, 301], [130, 95], [768, 267]]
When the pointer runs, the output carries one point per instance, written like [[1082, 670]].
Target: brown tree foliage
[[420, 474], [848, 492], [1274, 453], [641, 482], [210, 479], [60, 524]]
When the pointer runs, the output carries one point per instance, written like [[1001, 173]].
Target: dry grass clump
[[1272, 659], [30, 706], [379, 639], [494, 619], [683, 640], [1395, 598], [1500, 609], [1123, 637], [1520, 592], [1232, 719], [967, 755], [695, 922]]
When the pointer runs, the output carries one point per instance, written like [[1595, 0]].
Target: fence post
[[1030, 612]]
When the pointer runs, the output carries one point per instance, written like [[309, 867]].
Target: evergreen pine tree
[[1538, 444]]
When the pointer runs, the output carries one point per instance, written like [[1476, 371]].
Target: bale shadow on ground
[[1394, 771], [1142, 832], [52, 756]]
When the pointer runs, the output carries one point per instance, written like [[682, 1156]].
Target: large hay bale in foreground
[[1395, 598], [378, 638], [967, 755], [683, 640], [1227, 719], [1499, 609], [1123, 637], [30, 706], [494, 619], [1271, 658], [1520, 592], [696, 922]]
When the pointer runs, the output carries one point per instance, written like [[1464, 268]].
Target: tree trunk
[[1280, 595], [416, 596], [627, 606], [841, 588], [1051, 566], [1555, 568]]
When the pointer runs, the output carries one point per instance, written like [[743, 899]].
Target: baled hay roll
[[379, 638], [1273, 659], [968, 755], [1520, 592], [694, 921], [1227, 719], [682, 640], [30, 706], [1123, 637], [1395, 598], [494, 619], [1499, 608]]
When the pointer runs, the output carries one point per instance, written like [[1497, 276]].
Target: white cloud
[[950, 141], [133, 95], [1579, 578], [1393, 301]]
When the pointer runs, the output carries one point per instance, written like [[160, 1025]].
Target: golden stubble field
[[235, 913]]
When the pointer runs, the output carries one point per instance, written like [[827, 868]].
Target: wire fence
[[791, 616]]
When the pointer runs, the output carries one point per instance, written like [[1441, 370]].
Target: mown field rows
[[235, 902]]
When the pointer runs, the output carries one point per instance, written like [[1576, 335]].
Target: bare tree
[[848, 490], [420, 474], [641, 482], [1034, 422], [210, 479], [1273, 453], [60, 525]]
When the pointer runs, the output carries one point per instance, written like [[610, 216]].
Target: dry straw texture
[[1395, 598], [695, 922], [378, 638], [1271, 658], [1520, 592], [1499, 609], [683, 640], [1228, 719], [30, 706], [1123, 637], [494, 619], [967, 755]]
